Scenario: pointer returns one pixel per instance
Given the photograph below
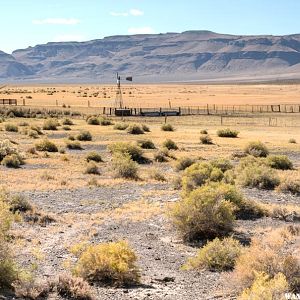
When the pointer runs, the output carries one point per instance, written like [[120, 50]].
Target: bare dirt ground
[[111, 209]]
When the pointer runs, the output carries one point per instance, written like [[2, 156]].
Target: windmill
[[119, 98]]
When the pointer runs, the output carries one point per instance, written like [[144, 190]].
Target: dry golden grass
[[39, 168], [154, 95]]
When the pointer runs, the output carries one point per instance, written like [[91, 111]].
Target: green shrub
[[84, 135], [244, 208], [124, 166], [206, 139], [229, 177], [217, 255], [94, 156], [257, 149], [92, 168], [292, 141], [145, 128], [37, 129], [203, 131], [229, 133], [121, 126], [93, 121], [135, 129], [50, 124], [280, 162], [67, 121], [184, 163], [73, 145], [167, 127], [46, 146], [8, 269], [66, 128], [256, 174], [146, 144], [108, 264], [105, 122], [12, 161], [135, 152], [170, 145], [199, 174], [11, 127], [222, 163], [204, 213]]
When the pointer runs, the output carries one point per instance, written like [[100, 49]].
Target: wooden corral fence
[[209, 109], [8, 102]]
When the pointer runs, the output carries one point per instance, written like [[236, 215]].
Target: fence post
[[24, 102], [207, 109], [221, 120]]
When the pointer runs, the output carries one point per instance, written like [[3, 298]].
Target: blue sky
[[26, 23]]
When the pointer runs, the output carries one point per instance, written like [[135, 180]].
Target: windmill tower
[[119, 98]]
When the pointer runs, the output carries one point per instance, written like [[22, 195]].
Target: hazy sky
[[26, 23]]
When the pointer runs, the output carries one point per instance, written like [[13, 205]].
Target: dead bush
[[290, 183], [257, 149], [271, 255], [157, 175], [74, 288]]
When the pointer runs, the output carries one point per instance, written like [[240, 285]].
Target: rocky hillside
[[191, 55]]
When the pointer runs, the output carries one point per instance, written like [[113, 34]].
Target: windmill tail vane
[[119, 99]]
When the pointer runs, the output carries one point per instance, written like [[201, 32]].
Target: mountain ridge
[[188, 56]]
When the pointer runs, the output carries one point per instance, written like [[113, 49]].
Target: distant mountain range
[[169, 57]]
